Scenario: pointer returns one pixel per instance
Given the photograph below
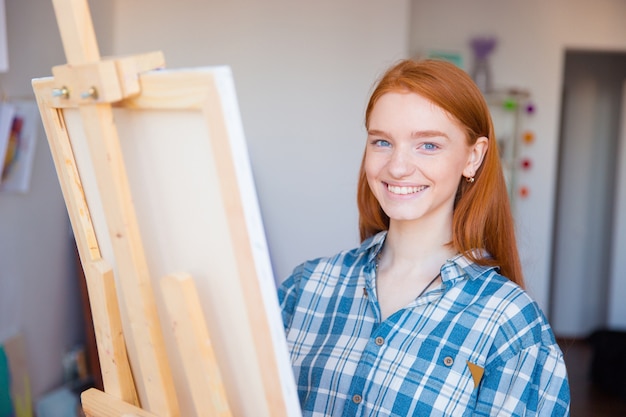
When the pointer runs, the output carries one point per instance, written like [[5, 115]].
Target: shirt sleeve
[[288, 296], [532, 383]]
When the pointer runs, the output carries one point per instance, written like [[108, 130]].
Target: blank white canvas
[[183, 222]]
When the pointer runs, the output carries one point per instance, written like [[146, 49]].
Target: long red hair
[[482, 216]]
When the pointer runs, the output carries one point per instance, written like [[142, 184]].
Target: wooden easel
[[143, 388]]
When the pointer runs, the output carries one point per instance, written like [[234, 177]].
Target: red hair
[[482, 215]]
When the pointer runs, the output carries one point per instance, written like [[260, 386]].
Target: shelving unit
[[508, 109]]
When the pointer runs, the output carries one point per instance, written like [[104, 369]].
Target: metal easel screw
[[62, 92], [91, 93]]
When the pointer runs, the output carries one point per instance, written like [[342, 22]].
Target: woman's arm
[[531, 383], [288, 295]]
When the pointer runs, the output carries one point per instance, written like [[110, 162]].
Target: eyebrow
[[417, 134]]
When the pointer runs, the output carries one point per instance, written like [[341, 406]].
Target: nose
[[400, 164]]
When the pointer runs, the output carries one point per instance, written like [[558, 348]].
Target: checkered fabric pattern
[[477, 345]]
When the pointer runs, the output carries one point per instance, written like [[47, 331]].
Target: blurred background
[[554, 76]]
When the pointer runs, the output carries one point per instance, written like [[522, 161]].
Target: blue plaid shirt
[[477, 345]]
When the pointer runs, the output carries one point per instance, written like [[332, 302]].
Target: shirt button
[[379, 341], [356, 398], [448, 361]]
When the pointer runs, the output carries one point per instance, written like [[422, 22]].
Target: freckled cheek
[[447, 173], [373, 178], [441, 172], [373, 166]]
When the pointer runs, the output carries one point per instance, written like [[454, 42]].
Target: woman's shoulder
[[341, 264], [516, 316], [487, 283], [519, 308]]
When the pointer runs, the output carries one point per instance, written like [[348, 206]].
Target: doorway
[[590, 210]]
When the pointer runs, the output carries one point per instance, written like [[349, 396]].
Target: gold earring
[[469, 179]]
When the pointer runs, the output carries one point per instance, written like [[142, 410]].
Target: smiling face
[[415, 156]]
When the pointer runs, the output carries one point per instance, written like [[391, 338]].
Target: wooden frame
[[154, 170]]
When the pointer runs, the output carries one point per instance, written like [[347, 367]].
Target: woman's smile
[[405, 190]]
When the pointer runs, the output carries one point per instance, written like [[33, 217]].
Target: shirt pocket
[[440, 380]]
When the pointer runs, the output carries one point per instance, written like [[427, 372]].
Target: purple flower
[[483, 46]]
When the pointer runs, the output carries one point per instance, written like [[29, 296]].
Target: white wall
[[532, 37], [303, 71]]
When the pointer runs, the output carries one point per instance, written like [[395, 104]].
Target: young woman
[[428, 316]]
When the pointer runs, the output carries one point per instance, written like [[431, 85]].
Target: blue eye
[[430, 146], [381, 143]]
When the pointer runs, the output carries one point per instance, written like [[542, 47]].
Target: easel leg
[[194, 346], [116, 373]]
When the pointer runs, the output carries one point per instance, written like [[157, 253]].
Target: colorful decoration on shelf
[[524, 191], [529, 137], [481, 72], [509, 104], [510, 108]]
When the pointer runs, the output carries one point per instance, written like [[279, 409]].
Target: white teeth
[[405, 190]]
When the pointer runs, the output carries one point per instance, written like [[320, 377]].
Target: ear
[[476, 156]]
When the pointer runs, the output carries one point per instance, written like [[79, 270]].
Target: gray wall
[[587, 212], [302, 72], [617, 286], [532, 38]]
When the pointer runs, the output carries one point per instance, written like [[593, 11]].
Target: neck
[[419, 243], [410, 262]]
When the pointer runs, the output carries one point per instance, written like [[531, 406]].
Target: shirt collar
[[460, 267], [456, 268], [371, 247]]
